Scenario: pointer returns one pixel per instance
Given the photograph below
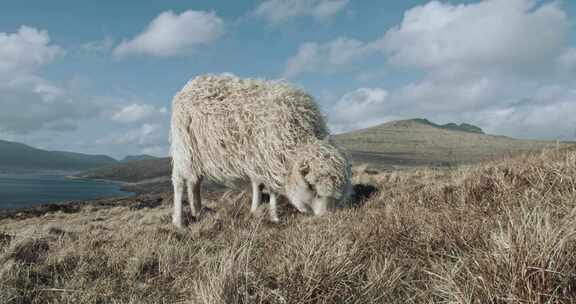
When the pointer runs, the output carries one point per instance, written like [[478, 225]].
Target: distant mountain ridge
[[464, 127], [131, 158], [20, 157]]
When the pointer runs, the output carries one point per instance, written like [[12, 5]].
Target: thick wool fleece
[[228, 129]]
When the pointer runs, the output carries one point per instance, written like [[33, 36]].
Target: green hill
[[131, 158], [133, 171], [20, 157]]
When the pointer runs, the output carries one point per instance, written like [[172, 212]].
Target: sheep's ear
[[298, 174]]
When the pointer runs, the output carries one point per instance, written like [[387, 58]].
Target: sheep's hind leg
[[178, 184], [273, 207], [256, 196], [194, 197]]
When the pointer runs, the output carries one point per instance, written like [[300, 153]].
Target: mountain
[[133, 171], [419, 142], [131, 158], [20, 157], [464, 127]]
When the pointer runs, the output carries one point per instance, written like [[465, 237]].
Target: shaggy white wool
[[324, 167], [230, 129]]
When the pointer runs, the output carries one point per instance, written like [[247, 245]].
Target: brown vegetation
[[500, 232], [418, 142]]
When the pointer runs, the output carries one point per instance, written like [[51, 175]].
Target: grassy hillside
[[418, 142], [500, 232], [17, 156], [131, 158]]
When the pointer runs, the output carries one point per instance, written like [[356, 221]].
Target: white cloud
[[171, 34], [489, 62], [29, 102], [329, 56], [540, 112], [567, 60], [505, 35], [25, 51], [280, 11], [548, 114], [360, 108], [494, 33], [148, 136], [135, 113], [142, 128], [440, 95]]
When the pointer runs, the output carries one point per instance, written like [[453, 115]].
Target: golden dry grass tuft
[[500, 232]]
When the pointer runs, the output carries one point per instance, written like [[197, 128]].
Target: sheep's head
[[319, 178]]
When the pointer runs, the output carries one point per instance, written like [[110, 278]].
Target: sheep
[[230, 129]]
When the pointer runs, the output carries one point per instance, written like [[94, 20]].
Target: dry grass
[[502, 232]]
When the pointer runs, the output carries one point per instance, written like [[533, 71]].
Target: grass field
[[499, 232]]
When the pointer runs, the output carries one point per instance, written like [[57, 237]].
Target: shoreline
[[75, 206], [37, 207]]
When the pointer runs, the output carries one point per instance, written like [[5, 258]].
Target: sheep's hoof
[[178, 224]]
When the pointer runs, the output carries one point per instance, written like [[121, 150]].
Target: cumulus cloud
[[360, 108], [540, 111], [146, 134], [31, 104], [508, 35], [25, 51], [135, 113], [148, 138], [172, 34], [493, 32], [567, 60], [330, 56], [547, 114], [490, 63], [28, 101], [280, 11], [141, 128]]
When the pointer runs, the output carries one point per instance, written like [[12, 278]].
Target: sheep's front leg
[[178, 184], [273, 207], [321, 205], [194, 197], [256, 196]]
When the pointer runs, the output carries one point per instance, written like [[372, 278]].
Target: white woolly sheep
[[229, 129]]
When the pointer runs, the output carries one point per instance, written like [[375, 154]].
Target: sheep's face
[[318, 197]]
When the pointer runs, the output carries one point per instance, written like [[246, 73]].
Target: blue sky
[[98, 77]]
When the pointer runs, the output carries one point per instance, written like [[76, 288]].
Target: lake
[[25, 190]]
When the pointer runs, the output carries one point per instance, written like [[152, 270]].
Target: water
[[25, 190]]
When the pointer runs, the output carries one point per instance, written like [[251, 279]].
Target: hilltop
[[463, 127]]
